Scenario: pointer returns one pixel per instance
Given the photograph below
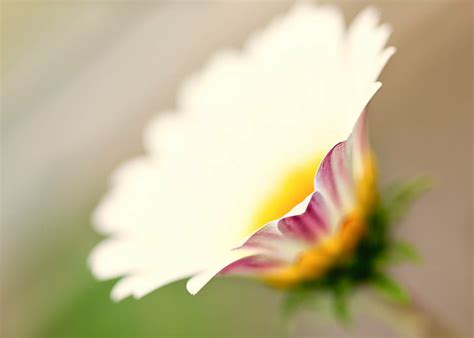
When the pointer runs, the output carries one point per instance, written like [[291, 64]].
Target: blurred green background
[[80, 79]]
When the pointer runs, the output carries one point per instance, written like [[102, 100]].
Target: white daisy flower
[[228, 184]]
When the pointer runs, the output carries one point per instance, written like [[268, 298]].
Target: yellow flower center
[[294, 187]]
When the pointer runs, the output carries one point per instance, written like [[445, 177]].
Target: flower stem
[[411, 320]]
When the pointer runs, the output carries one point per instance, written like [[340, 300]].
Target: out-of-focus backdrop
[[80, 79]]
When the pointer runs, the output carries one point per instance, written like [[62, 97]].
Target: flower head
[[303, 244], [228, 184]]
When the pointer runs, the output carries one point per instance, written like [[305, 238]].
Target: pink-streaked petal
[[251, 265], [264, 237], [325, 178], [309, 225], [333, 182], [269, 241], [337, 174], [341, 167]]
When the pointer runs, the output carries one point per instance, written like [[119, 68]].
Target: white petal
[[142, 284], [198, 281]]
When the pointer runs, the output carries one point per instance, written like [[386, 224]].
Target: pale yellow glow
[[294, 187]]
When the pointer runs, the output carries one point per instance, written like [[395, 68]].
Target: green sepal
[[398, 252], [390, 289], [403, 251], [295, 300], [399, 197]]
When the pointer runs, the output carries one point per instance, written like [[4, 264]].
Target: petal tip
[[192, 286]]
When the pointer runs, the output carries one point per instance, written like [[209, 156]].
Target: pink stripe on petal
[[341, 165], [250, 265], [343, 177], [317, 210], [270, 242], [264, 237], [325, 179], [310, 224]]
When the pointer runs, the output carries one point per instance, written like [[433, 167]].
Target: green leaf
[[404, 251], [398, 252], [390, 289], [399, 197]]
